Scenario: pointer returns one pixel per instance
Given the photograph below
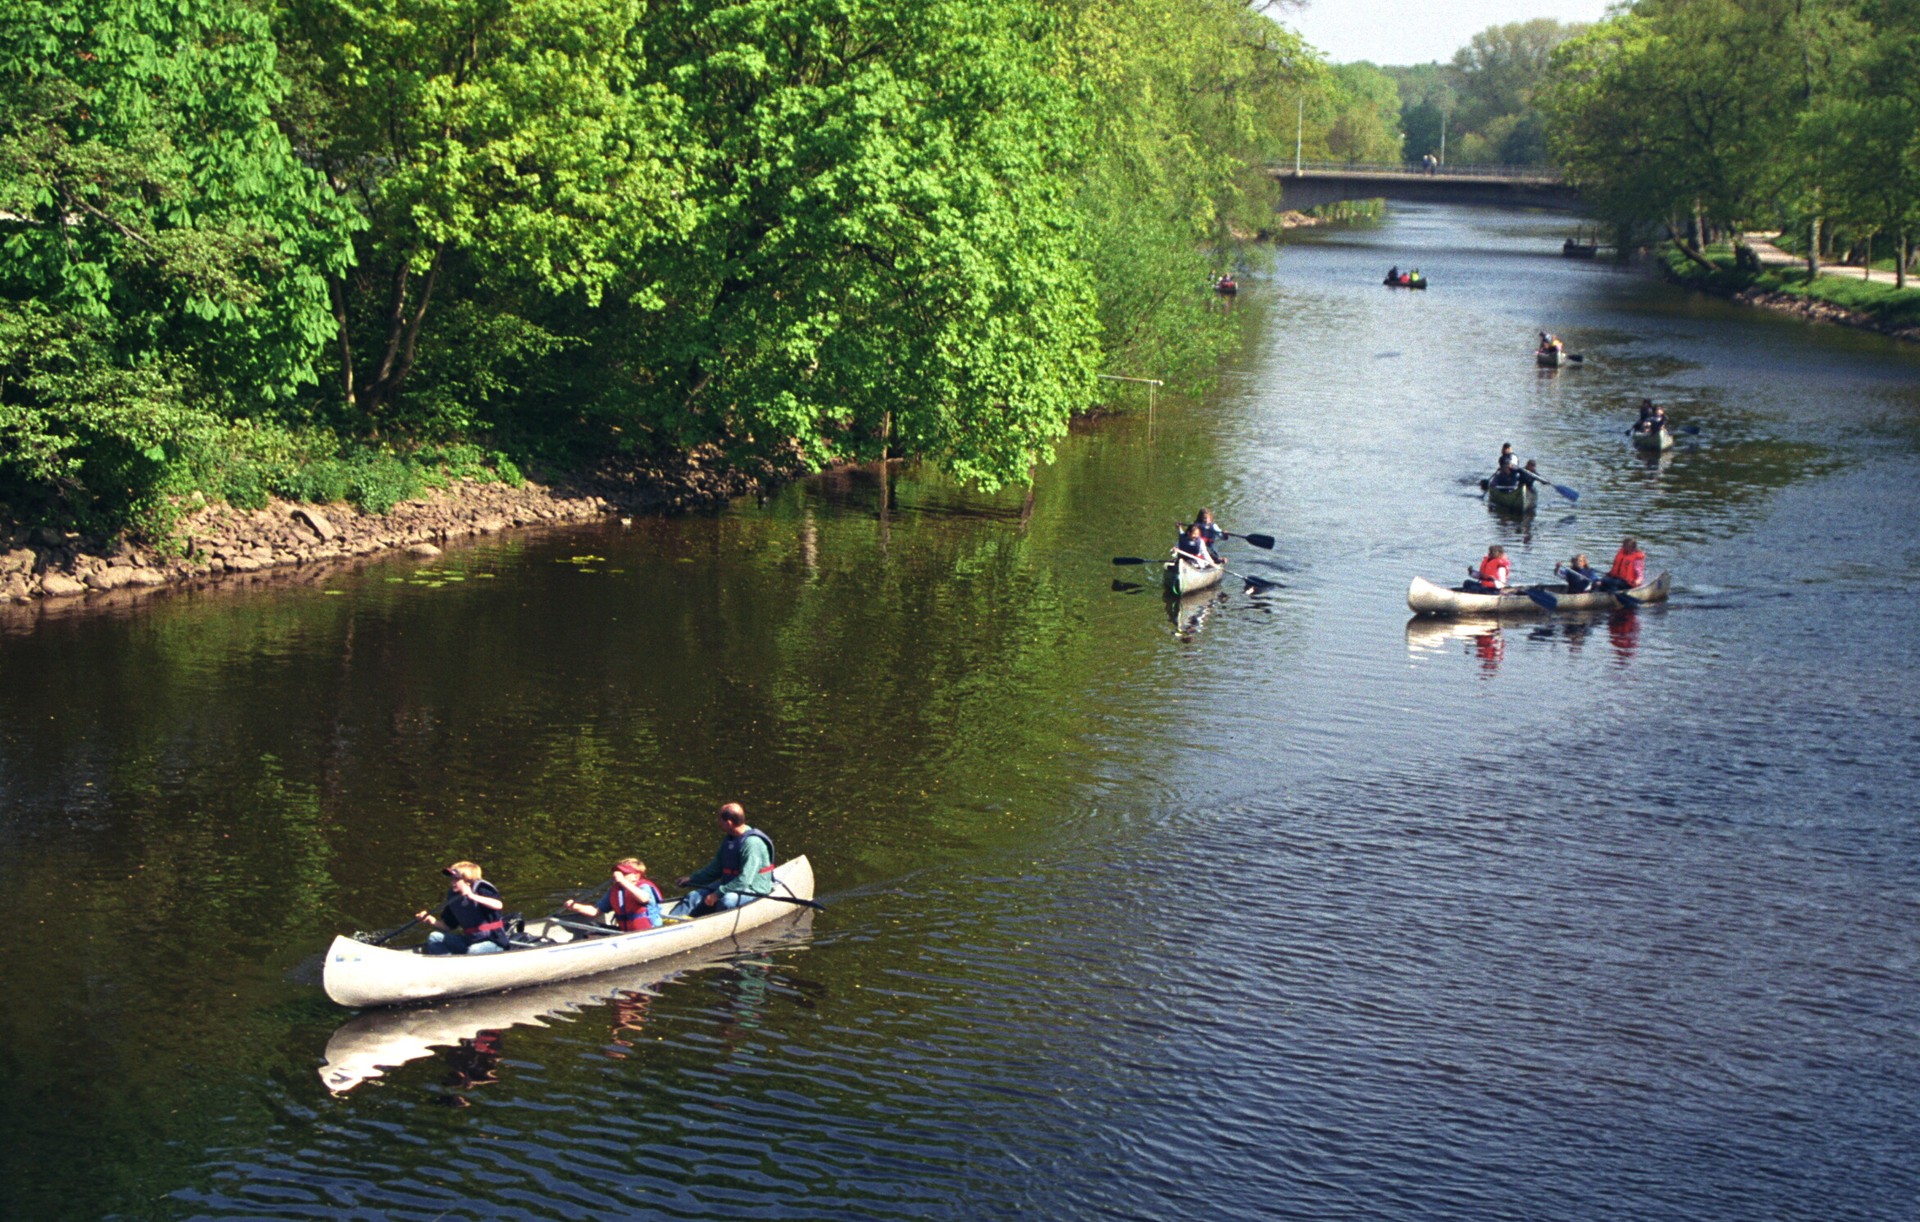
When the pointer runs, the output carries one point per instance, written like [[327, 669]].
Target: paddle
[[1543, 598], [388, 936], [1562, 489], [1260, 541], [1627, 600]]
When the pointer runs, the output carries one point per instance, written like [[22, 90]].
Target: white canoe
[[375, 1041], [1183, 579], [1426, 598], [361, 974], [1654, 441], [1550, 358]]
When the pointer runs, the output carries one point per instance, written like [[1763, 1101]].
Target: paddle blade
[[1131, 560], [1543, 598], [1567, 492], [1689, 430], [1575, 357], [1262, 541], [1126, 587], [1627, 600], [1259, 583]]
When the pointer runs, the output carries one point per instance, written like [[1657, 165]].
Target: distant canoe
[[1405, 282], [361, 974], [1550, 358], [1578, 250], [1426, 598], [1521, 496], [1181, 579], [1652, 440], [1226, 288]]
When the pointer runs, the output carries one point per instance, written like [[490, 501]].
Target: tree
[[164, 255], [516, 150]]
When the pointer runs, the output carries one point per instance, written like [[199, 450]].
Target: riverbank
[[1845, 300], [218, 542]]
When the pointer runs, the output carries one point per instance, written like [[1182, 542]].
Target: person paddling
[[1210, 533], [1629, 569], [632, 898], [1192, 549], [1490, 576], [1578, 574], [472, 921], [740, 872]]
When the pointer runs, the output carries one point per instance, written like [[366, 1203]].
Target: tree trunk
[[1680, 241], [1900, 262], [1813, 250]]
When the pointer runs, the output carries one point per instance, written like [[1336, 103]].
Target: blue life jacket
[[477, 922], [733, 855]]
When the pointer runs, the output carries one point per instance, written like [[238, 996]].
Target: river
[[1274, 906]]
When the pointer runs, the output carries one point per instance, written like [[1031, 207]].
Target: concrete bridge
[[1312, 184]]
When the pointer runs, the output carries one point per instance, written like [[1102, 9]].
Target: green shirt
[[753, 859]]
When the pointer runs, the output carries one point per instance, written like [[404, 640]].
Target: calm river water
[[1264, 907]]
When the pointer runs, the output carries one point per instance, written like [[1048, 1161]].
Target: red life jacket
[[1494, 570], [631, 914], [1630, 567]]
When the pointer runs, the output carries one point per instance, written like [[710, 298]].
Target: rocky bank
[[220, 543]]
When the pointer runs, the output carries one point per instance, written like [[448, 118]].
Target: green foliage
[[1485, 98], [1874, 299], [1769, 113]]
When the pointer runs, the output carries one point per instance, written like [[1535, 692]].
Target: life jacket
[[733, 853], [477, 922], [1494, 570], [1630, 567], [630, 914]]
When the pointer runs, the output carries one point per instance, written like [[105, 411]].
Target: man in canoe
[[1210, 533], [1491, 575], [632, 898], [1578, 575], [472, 921], [740, 873], [1507, 474], [1192, 549], [1629, 568]]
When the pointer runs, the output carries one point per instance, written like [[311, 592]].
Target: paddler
[[1490, 576], [1192, 549], [740, 872], [472, 921], [632, 898], [1578, 574], [1629, 569], [1210, 532]]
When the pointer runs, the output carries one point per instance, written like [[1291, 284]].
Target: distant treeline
[[329, 248], [1692, 118]]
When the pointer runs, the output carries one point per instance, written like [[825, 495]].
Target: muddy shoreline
[[43, 569]]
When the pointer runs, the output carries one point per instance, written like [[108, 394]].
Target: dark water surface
[[1277, 907]]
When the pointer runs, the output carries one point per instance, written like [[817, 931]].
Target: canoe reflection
[[1485, 640], [471, 1030]]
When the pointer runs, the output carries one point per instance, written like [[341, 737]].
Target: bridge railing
[[1511, 173]]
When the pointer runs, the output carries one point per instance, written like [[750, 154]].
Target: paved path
[[1773, 256]]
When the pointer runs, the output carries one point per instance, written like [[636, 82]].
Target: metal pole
[[1443, 137], [1299, 129]]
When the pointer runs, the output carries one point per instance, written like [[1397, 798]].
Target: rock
[[13, 589], [425, 551], [108, 579], [244, 564], [315, 521], [19, 560], [146, 577], [58, 585]]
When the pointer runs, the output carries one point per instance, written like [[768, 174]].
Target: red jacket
[[1494, 570], [1630, 567]]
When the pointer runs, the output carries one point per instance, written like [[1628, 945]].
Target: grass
[[1881, 302]]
